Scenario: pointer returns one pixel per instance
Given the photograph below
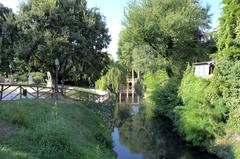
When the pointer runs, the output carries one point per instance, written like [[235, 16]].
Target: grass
[[40, 130]]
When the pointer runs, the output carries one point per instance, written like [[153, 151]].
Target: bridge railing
[[16, 92]]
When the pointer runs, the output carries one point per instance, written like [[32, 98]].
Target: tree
[[172, 29], [8, 31], [229, 32], [113, 79], [226, 81], [66, 30]]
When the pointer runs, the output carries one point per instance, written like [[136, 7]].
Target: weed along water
[[136, 135]]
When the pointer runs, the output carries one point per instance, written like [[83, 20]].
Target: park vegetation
[[37, 129], [162, 40], [30, 41], [48, 29]]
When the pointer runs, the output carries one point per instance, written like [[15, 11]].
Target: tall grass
[[46, 131]]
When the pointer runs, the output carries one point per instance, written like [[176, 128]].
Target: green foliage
[[51, 132], [162, 92], [198, 120], [165, 29], [166, 98], [229, 32], [66, 30], [8, 34], [37, 77], [115, 76], [20, 78]]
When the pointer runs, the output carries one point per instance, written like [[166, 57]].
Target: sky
[[113, 10]]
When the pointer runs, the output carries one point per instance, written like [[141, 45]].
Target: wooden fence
[[16, 92]]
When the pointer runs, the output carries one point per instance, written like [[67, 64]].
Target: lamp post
[[10, 67], [57, 63]]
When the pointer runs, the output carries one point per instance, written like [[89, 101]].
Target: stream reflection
[[137, 136]]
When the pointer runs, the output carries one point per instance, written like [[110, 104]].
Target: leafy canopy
[[66, 30]]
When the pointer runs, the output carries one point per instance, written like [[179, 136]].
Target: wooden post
[[127, 87], [37, 92], [1, 93], [20, 87], [132, 96]]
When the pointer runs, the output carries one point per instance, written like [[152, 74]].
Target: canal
[[137, 135]]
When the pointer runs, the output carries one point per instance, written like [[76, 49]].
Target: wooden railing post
[[37, 92], [20, 87], [1, 93]]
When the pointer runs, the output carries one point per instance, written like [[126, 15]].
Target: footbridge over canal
[[17, 92]]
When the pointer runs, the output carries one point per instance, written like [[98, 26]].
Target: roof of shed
[[204, 63]]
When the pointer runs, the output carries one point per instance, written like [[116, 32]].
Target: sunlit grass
[[47, 131]]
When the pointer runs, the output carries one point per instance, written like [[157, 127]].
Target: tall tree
[[8, 31], [229, 32], [226, 80], [67, 30], [172, 29]]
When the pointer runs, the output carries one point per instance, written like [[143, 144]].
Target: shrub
[[21, 78], [37, 77], [198, 120]]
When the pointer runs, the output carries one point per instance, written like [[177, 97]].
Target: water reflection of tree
[[138, 134], [153, 137]]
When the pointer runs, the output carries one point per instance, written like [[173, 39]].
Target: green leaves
[[66, 30], [171, 30]]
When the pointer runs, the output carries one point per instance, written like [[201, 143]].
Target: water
[[138, 136]]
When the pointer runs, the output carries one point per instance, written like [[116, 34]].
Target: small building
[[204, 69]]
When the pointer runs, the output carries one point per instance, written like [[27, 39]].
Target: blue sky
[[113, 10]]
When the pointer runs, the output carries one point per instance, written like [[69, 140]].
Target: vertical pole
[[132, 96], [1, 94], [37, 92], [133, 86], [20, 87], [56, 83], [127, 86], [120, 97]]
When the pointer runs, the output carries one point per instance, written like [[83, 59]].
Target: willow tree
[[114, 78], [173, 30], [63, 29]]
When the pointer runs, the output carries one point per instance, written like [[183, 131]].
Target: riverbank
[[196, 114], [32, 129], [137, 135]]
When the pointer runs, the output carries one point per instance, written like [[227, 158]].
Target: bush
[[37, 77], [162, 92], [20, 78], [198, 120]]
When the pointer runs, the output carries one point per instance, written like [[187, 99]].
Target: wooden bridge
[[16, 92]]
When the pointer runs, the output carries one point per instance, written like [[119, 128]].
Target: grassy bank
[[36, 129]]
